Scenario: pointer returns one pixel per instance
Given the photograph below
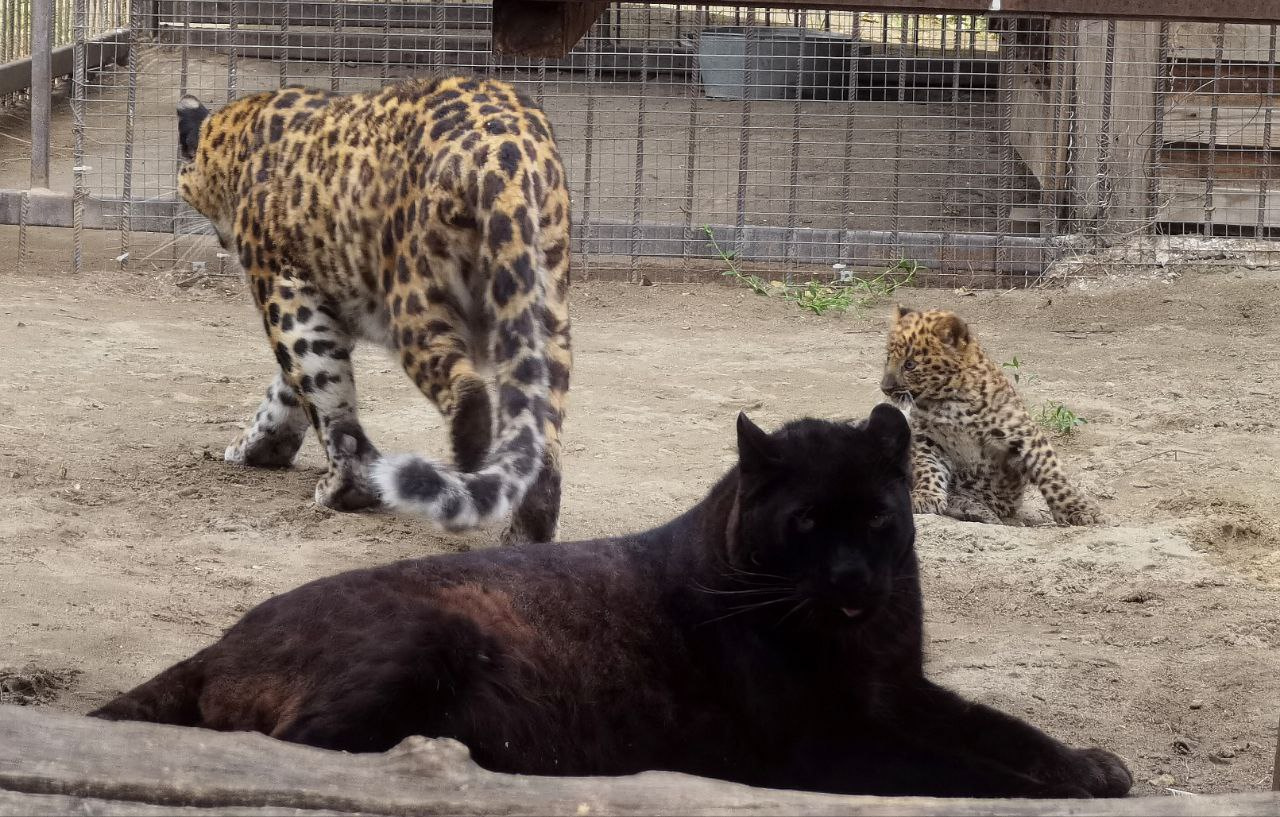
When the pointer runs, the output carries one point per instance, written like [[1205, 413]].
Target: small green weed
[[1016, 371], [1059, 419], [846, 292]]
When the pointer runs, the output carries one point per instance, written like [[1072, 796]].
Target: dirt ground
[[128, 543]]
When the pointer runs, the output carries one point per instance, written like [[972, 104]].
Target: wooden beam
[[1275, 771], [53, 763], [1226, 11], [544, 29]]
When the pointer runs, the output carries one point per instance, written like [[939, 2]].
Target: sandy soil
[[128, 543]]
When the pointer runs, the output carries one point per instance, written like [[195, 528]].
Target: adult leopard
[[431, 217]]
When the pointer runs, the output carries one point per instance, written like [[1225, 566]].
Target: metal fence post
[[41, 89]]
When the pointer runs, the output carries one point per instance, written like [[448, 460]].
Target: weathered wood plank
[[1198, 41], [1188, 201], [124, 765], [17, 804], [1242, 127]]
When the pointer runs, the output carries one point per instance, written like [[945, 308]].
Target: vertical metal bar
[[130, 115], [895, 186], [1210, 176], [638, 189], [1004, 107], [1070, 166], [385, 72], [1163, 87], [951, 192], [79, 25], [690, 172], [850, 120], [1102, 215], [793, 172], [1264, 183], [437, 38], [41, 89], [234, 51], [744, 131], [184, 51], [283, 10], [1045, 206], [588, 149], [337, 16], [24, 215]]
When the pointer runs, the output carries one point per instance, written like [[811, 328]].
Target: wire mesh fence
[[976, 150]]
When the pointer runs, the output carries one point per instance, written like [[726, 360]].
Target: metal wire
[[979, 148]]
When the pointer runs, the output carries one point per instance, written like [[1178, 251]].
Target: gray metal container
[[785, 62]]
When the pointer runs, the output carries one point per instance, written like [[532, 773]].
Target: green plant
[[754, 282], [816, 296], [1056, 417], [1016, 371]]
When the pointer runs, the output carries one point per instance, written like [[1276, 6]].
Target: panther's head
[[927, 354]]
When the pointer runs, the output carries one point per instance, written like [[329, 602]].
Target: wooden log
[[544, 29], [57, 763]]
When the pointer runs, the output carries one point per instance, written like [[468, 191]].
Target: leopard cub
[[974, 447]]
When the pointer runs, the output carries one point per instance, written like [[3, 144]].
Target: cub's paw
[[929, 504], [1080, 516], [1100, 772], [967, 510]]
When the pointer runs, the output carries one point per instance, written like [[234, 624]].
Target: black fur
[[770, 635], [191, 115]]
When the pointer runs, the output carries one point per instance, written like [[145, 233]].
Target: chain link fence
[[971, 150]]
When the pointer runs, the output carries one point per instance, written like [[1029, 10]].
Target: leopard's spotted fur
[[430, 217], [975, 446]]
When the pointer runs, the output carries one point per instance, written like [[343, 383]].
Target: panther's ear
[[757, 452], [890, 429], [191, 115], [953, 331]]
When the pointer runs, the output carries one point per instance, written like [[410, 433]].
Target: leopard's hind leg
[[313, 348], [276, 432]]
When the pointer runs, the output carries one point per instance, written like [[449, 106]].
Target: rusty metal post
[[41, 89]]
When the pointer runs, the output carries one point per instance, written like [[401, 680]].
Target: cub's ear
[[756, 449], [901, 312], [953, 331], [191, 115], [889, 427]]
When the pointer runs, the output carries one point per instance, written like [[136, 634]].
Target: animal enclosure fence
[[973, 150]]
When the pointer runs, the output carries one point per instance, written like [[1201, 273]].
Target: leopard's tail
[[171, 697], [506, 212]]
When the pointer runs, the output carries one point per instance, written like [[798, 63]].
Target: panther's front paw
[[1101, 772]]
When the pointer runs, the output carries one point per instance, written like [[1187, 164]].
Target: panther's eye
[[878, 521], [909, 365], [803, 522]]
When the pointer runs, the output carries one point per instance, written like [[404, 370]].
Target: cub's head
[[207, 143], [823, 516], [927, 353]]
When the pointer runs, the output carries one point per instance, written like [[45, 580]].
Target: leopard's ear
[[901, 312], [191, 115], [953, 331]]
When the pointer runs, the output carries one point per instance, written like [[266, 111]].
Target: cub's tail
[[506, 210], [171, 697]]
